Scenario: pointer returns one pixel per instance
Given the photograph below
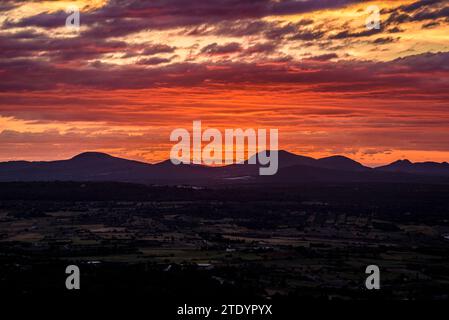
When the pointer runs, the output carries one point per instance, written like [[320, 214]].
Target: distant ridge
[[426, 168], [97, 166], [92, 155]]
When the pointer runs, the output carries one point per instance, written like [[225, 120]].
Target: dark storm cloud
[[419, 5], [238, 28], [29, 44], [412, 74], [350, 34], [430, 25], [385, 40], [395, 30], [276, 32], [153, 61], [419, 11], [7, 5], [324, 57], [307, 35], [33, 45], [152, 49], [120, 17], [216, 49], [266, 47]]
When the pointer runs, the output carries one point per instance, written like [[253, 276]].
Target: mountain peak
[[341, 162], [286, 153], [422, 168], [286, 158], [338, 158], [401, 163], [91, 156]]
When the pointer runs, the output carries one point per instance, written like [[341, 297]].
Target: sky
[[136, 70]]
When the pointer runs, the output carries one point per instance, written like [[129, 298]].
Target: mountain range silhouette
[[96, 166]]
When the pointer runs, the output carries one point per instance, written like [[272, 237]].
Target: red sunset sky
[[136, 70]]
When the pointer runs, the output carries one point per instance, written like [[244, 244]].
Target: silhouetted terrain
[[92, 166], [204, 234], [424, 168], [225, 243]]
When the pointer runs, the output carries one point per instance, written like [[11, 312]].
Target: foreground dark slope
[[94, 166]]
